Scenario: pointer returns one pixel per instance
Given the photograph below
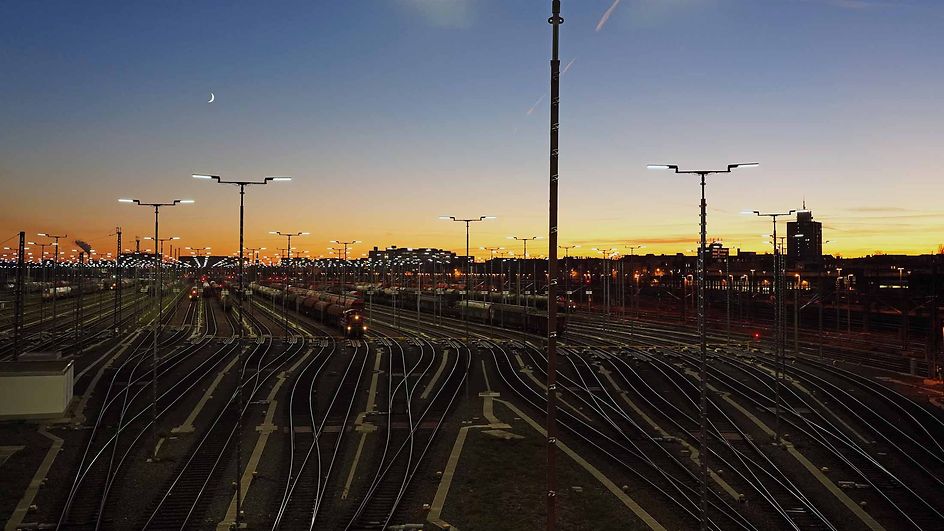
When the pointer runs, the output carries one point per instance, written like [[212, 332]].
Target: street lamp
[[242, 194], [608, 256], [55, 268], [778, 311], [288, 235], [157, 320], [491, 256], [42, 258], [239, 309], [524, 256], [632, 253], [344, 264], [702, 332], [567, 249], [468, 265]]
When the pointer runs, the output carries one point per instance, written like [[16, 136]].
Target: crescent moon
[[212, 97]]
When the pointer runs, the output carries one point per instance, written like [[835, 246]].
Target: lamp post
[[118, 280], [524, 240], [344, 264], [55, 270], [288, 235], [160, 283], [254, 260], [632, 254], [42, 262], [242, 195], [567, 249], [703, 376], [491, 256], [607, 256], [157, 319], [778, 317], [468, 265]]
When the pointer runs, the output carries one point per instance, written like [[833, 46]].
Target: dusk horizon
[[387, 265]]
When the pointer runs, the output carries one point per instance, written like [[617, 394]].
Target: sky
[[390, 113]]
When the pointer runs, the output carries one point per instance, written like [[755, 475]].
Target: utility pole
[[551, 427]]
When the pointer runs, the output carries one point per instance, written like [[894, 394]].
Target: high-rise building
[[804, 238]]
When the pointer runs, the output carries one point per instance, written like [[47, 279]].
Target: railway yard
[[296, 425]]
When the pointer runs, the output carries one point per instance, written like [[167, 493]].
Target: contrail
[[606, 15], [535, 106], [563, 71], [567, 67]]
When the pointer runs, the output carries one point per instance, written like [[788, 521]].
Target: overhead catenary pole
[[157, 319], [702, 331], [551, 421]]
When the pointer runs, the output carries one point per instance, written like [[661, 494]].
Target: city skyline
[[383, 135]]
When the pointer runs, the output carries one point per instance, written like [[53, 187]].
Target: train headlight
[[349, 329], [365, 328]]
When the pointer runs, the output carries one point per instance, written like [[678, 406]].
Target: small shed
[[35, 388]]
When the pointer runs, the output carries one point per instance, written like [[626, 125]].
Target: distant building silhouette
[[804, 239]]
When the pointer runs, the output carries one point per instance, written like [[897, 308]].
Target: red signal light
[[756, 335]]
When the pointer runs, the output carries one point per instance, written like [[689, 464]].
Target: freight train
[[344, 312], [451, 303]]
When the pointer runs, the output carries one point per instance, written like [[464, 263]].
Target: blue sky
[[390, 113]]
